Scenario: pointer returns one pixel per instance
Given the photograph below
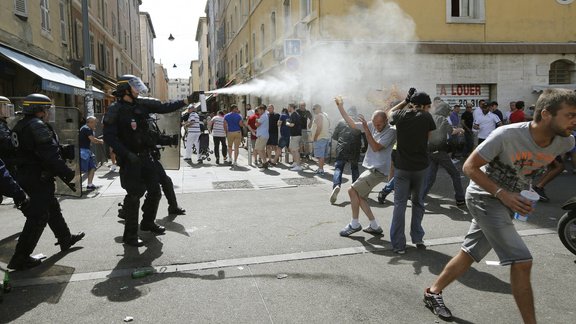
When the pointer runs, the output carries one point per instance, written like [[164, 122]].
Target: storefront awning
[[541, 87], [54, 78]]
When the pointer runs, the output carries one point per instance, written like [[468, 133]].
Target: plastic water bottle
[[7, 286], [142, 273]]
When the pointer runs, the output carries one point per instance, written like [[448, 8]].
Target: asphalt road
[[262, 255]]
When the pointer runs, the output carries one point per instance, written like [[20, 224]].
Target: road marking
[[227, 263]]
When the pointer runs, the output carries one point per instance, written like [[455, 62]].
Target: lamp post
[[88, 96]]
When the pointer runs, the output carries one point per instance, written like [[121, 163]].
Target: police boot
[[152, 227], [176, 210], [66, 244], [130, 213], [21, 260], [121, 212]]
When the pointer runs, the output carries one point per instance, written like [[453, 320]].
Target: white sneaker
[[296, 168], [334, 195], [113, 168]]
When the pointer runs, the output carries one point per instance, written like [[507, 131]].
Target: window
[[305, 8], [241, 61], [45, 13], [287, 17], [273, 28], [262, 37], [63, 27], [105, 16], [21, 8], [101, 57], [92, 49], [246, 51], [465, 11], [253, 45], [561, 72], [78, 39], [113, 25]]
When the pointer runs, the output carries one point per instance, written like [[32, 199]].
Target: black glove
[[21, 202], [410, 93], [194, 97], [67, 151]]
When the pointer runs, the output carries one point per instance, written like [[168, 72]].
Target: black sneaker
[[154, 228], [382, 196], [176, 210], [73, 239], [460, 203], [540, 191], [435, 303]]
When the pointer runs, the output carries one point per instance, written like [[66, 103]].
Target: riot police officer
[[38, 160], [127, 131]]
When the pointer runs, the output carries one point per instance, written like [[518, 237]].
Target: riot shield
[[169, 125], [66, 126]]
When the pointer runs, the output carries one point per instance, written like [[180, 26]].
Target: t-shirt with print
[[296, 130], [84, 140], [412, 128], [379, 160], [514, 159]]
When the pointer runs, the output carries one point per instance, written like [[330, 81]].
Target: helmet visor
[[6, 110], [50, 112], [138, 85]]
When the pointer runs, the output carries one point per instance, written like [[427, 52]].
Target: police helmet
[[36, 102], [6, 108], [128, 81]]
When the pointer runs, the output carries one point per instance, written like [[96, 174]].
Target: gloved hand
[[194, 97], [67, 151], [22, 202], [410, 93]]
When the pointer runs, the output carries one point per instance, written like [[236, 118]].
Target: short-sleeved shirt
[[381, 159], [468, 119], [305, 115], [84, 139], [487, 124], [273, 120], [514, 159], [264, 126], [252, 124], [412, 129], [218, 126], [517, 116], [296, 130], [284, 130], [233, 120], [195, 119]]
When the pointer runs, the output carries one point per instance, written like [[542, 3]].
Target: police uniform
[[37, 162], [9, 187], [127, 131]]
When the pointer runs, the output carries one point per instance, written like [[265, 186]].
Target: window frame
[[63, 23], [45, 16], [21, 13], [476, 7]]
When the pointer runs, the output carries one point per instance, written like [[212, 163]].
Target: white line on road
[[98, 275]]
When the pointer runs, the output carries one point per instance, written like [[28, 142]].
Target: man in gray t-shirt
[[499, 169]]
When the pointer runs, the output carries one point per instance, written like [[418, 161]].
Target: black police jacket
[[9, 187], [126, 127], [37, 145]]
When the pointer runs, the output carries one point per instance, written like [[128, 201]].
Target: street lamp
[[171, 38], [174, 66]]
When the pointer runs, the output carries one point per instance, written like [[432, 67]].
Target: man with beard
[[502, 166]]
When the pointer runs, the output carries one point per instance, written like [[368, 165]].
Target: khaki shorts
[[260, 144], [367, 181], [234, 138], [295, 143]]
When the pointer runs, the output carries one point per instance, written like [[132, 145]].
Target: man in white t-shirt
[[485, 122], [193, 125]]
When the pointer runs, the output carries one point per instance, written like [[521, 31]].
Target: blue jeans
[[441, 158], [407, 183], [339, 169]]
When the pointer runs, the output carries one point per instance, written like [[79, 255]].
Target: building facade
[[178, 89], [460, 50], [161, 82], [203, 70], [147, 36]]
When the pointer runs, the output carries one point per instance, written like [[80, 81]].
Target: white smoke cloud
[[362, 54]]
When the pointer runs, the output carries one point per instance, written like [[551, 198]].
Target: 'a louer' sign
[[463, 93]]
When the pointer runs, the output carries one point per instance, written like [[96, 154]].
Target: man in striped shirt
[[216, 127]]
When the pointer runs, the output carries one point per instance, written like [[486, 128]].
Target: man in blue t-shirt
[[233, 125], [87, 160]]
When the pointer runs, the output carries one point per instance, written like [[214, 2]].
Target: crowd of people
[[405, 144]]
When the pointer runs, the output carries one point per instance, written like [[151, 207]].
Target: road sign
[[292, 47]]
